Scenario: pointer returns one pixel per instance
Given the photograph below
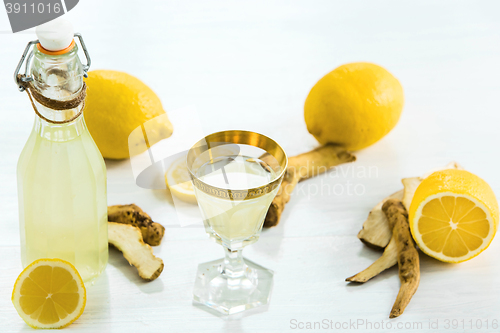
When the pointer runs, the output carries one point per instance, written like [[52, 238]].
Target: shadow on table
[[430, 264], [275, 235], [98, 305], [117, 260], [232, 322]]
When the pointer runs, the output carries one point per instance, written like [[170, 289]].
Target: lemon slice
[[179, 182], [453, 215], [49, 293]]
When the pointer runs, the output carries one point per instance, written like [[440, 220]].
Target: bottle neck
[[58, 115], [60, 132], [58, 77]]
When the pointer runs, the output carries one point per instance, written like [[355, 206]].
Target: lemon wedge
[[179, 182]]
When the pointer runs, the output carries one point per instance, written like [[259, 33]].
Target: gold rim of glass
[[249, 138]]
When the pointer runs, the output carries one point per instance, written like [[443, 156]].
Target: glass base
[[229, 295]]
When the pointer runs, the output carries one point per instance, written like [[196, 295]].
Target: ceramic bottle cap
[[55, 35]]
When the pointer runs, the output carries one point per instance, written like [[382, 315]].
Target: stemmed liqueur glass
[[236, 175]]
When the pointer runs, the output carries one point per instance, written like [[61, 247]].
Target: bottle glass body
[[62, 177]]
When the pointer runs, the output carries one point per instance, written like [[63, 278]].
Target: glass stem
[[234, 266]]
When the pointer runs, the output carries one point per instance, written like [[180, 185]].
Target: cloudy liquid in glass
[[229, 220]]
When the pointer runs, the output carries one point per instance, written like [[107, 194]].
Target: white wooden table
[[249, 65]]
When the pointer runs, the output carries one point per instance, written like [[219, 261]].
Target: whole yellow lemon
[[355, 105], [124, 116]]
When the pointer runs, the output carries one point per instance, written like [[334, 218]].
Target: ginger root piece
[[388, 259], [408, 260], [152, 232], [302, 167], [410, 186], [376, 232], [128, 239]]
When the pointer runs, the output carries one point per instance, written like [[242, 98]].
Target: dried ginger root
[[376, 232], [388, 259], [128, 239], [408, 260], [410, 186], [152, 232], [302, 167]]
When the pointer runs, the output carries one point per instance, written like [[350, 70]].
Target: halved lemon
[[453, 215], [49, 293], [179, 182]]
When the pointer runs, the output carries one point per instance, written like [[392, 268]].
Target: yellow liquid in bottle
[[62, 198]]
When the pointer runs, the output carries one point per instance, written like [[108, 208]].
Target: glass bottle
[[61, 173]]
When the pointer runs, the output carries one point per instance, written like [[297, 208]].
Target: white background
[[249, 65]]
